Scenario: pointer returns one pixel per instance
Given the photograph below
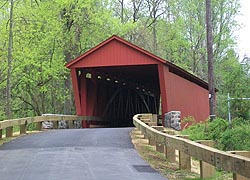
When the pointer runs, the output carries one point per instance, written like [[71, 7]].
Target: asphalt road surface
[[74, 154]]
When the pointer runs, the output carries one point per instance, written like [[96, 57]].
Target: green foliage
[[189, 119], [237, 138], [196, 131], [234, 80], [216, 128], [225, 137], [31, 127], [47, 34], [2, 114]]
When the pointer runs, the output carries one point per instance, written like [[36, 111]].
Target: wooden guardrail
[[24, 122], [226, 161]]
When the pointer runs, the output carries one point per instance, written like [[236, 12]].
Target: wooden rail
[[232, 162], [226, 161], [24, 122]]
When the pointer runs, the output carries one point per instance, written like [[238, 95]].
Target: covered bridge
[[117, 79]]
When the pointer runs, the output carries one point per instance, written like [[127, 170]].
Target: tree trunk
[[210, 60], [68, 103], [122, 11], [10, 48], [154, 39]]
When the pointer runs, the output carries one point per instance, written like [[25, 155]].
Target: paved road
[[77, 154]]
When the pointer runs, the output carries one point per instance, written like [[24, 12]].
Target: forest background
[[37, 38]]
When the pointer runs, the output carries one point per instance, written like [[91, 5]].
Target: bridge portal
[[118, 79]]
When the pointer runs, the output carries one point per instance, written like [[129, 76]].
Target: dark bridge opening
[[119, 92]]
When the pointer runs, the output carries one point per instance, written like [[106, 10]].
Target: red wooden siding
[[76, 85], [187, 97], [120, 60], [163, 72], [114, 54]]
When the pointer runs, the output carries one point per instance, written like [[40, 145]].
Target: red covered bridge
[[117, 79]]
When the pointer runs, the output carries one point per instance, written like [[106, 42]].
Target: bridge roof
[[116, 51]]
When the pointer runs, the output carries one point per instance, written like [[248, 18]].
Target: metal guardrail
[[226, 161]]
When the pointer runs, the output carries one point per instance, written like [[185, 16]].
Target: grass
[[169, 170]]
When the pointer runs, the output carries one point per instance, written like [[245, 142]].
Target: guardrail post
[[170, 154], [160, 147], [169, 151], [151, 141], [9, 131], [149, 116], [1, 133], [155, 118], [241, 153], [149, 119], [137, 129], [23, 129], [184, 159], [39, 126], [70, 124], [206, 170], [220, 159], [146, 136], [55, 124]]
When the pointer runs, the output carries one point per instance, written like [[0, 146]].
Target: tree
[[211, 85], [47, 34], [234, 80], [10, 49]]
